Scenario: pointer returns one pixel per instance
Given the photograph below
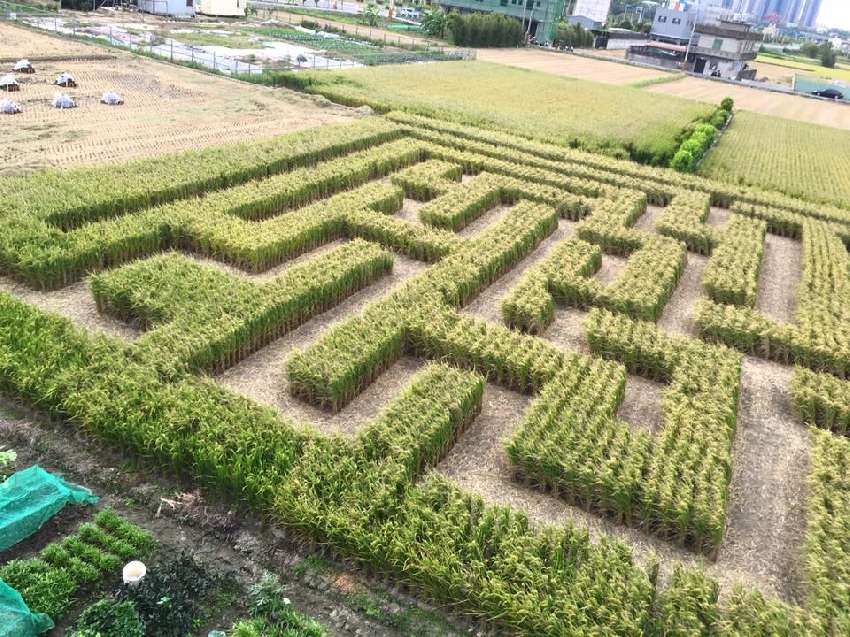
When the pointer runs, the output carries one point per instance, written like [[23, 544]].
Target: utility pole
[[688, 48]]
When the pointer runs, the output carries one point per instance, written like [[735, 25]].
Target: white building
[[596, 10], [178, 8], [230, 8]]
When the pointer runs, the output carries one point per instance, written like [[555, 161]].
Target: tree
[[434, 22], [827, 56], [371, 15]]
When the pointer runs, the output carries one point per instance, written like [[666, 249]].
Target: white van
[[409, 13]]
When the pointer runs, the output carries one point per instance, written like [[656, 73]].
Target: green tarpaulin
[[16, 620], [29, 498]]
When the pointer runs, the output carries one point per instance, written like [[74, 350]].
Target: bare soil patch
[[488, 304], [646, 221], [567, 330], [781, 270], [717, 217], [482, 223], [612, 267], [641, 406], [410, 211]]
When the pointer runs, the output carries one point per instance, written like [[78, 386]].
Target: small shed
[[23, 66], [9, 84], [177, 8], [230, 8], [65, 80], [8, 107]]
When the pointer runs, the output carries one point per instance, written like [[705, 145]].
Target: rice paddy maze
[[525, 380]]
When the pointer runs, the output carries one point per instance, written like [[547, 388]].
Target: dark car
[[831, 93]]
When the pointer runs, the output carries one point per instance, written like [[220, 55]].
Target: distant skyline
[[835, 13]]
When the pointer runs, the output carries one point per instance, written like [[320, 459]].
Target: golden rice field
[[799, 159], [540, 106]]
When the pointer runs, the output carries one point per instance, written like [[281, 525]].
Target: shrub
[[683, 161], [727, 104], [109, 618], [719, 118], [168, 596]]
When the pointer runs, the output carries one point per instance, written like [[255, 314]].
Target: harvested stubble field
[[166, 108], [794, 107], [538, 385], [582, 68]]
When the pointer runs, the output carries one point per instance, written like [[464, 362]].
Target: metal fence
[[175, 51]]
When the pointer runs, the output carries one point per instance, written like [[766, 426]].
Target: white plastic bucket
[[134, 572]]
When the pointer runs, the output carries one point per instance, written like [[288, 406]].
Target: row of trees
[[474, 29], [823, 52]]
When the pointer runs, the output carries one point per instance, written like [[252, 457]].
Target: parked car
[[831, 93], [409, 13]]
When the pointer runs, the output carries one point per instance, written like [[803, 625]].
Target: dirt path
[[766, 511], [262, 377], [678, 316], [612, 267], [646, 221], [488, 304], [74, 302], [781, 269]]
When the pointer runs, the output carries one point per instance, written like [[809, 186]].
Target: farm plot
[[166, 108], [799, 159], [527, 476], [570, 112]]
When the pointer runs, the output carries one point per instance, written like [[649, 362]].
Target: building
[[229, 8], [809, 14], [803, 13], [588, 24], [672, 26], [721, 49], [541, 16], [177, 8], [596, 10]]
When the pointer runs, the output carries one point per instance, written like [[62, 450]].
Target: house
[[177, 8], [721, 48], [672, 26], [229, 8], [596, 10]]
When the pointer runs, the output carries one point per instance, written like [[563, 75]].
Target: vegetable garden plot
[[371, 495]]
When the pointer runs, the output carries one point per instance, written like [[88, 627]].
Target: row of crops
[[372, 497]]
